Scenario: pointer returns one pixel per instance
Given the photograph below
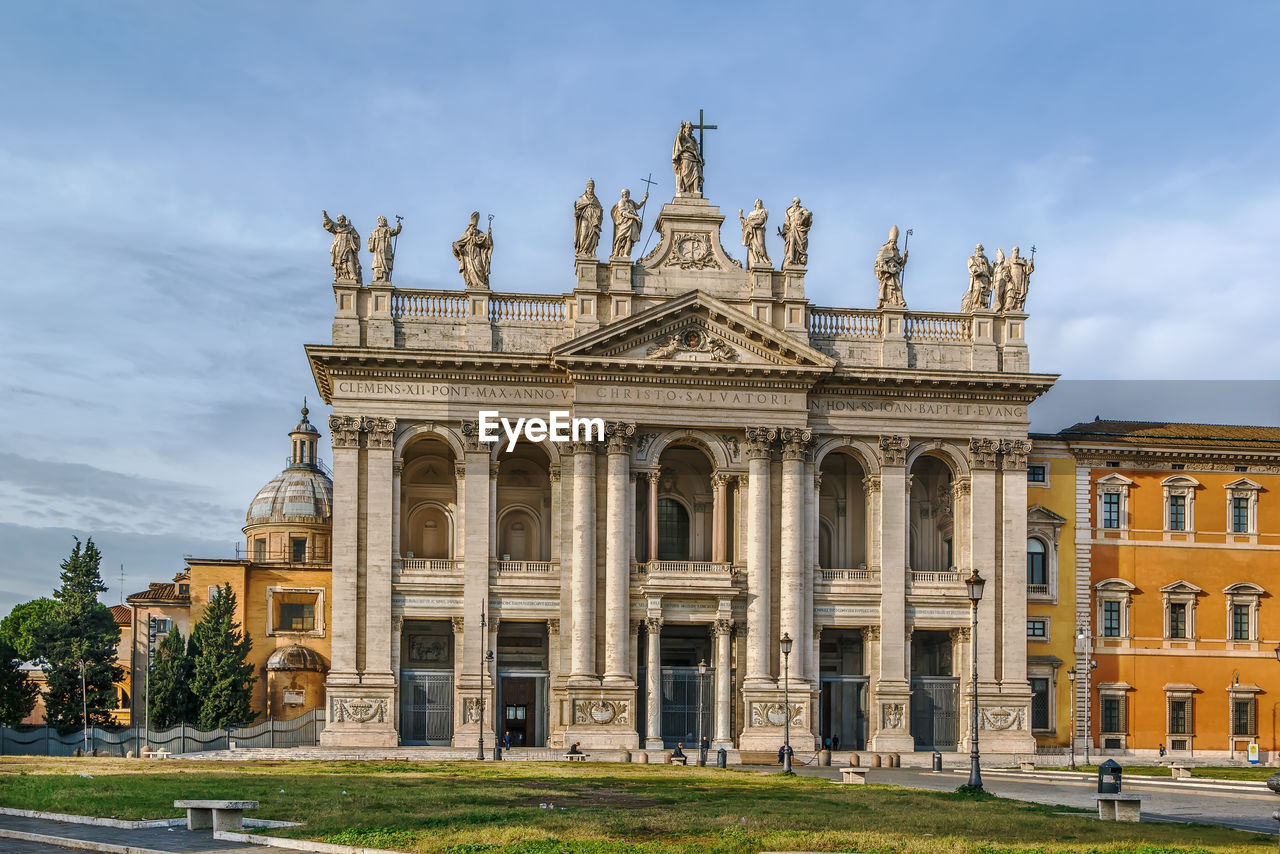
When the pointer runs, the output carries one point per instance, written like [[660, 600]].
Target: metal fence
[[302, 731]]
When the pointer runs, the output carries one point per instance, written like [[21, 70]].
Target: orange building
[[1181, 549]]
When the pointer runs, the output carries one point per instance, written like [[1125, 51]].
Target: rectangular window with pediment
[[1111, 510]]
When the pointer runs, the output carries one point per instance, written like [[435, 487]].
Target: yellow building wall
[[1212, 559], [1059, 496]]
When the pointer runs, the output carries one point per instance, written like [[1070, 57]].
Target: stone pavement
[[1161, 800], [177, 840]]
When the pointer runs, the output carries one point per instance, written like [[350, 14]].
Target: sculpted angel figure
[[795, 235], [686, 160], [344, 254], [588, 213], [382, 246], [889, 264], [1018, 281], [626, 224], [474, 251], [753, 235], [979, 293]]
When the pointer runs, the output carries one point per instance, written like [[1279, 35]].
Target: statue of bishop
[[753, 234], [1018, 281], [588, 213], [686, 161], [795, 235], [889, 264], [474, 251], [626, 225], [382, 246], [979, 293], [344, 253]]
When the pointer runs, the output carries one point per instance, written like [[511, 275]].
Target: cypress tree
[[17, 692], [222, 677], [172, 700], [81, 636]]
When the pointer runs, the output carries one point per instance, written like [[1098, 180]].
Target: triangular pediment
[[1038, 513], [693, 329]]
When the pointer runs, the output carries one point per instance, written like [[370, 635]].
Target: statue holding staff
[[474, 251], [626, 224], [753, 235], [344, 253], [1018, 281], [979, 293], [383, 248], [889, 265], [588, 213]]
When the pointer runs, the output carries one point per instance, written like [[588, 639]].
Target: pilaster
[[618, 438], [892, 690], [380, 328], [893, 345], [379, 518], [479, 327], [346, 316]]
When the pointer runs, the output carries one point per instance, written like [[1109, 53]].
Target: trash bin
[[1109, 778], [824, 758], [937, 761], [497, 751], [722, 758]]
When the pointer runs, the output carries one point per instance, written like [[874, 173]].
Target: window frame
[[1180, 492], [1248, 595], [274, 630], [1242, 694], [1248, 490], [1180, 593], [1041, 637], [1119, 591], [1116, 485]]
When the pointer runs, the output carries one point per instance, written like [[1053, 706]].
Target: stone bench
[[856, 776], [1180, 772], [218, 815], [575, 757], [678, 760], [1026, 765], [156, 754], [1119, 807]]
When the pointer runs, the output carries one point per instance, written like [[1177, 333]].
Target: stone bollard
[[854, 760], [824, 758]]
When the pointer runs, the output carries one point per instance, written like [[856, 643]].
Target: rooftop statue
[[1000, 279], [979, 293], [1018, 281], [686, 160], [795, 235], [588, 213], [889, 264], [626, 224], [753, 235], [382, 245], [344, 254], [474, 251]]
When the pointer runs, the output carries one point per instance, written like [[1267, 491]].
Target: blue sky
[[163, 168]]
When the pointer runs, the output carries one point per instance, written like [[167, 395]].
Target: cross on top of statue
[[700, 127], [687, 158]]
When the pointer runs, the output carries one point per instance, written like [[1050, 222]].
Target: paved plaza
[[178, 839]]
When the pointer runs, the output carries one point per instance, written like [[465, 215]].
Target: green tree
[[79, 643], [17, 692], [172, 700], [26, 623], [222, 678]]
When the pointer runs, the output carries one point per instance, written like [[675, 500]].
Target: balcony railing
[[683, 567], [525, 567], [430, 566], [1037, 590], [945, 577], [861, 574]]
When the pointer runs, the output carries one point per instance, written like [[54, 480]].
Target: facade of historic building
[[1179, 540], [768, 469]]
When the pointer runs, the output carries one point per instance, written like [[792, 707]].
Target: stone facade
[[768, 468]]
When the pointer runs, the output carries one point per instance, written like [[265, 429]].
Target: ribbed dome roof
[[296, 657], [300, 492]]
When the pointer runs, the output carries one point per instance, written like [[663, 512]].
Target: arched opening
[[673, 530], [518, 536], [523, 513], [842, 513], [932, 523], [428, 500]]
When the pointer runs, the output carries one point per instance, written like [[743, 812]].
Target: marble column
[[724, 692], [379, 527], [759, 637], [795, 451], [1011, 615], [653, 684], [584, 562], [555, 726], [397, 470], [653, 478], [345, 433], [983, 520], [810, 566], [477, 495], [719, 539], [892, 690], [617, 551]]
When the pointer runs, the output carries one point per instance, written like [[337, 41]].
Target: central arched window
[[1037, 568], [673, 530]]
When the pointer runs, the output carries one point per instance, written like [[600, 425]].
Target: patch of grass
[[563, 808], [1258, 773]]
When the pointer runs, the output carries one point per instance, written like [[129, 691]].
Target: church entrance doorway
[[683, 648], [842, 709], [426, 682], [935, 693], [522, 683]]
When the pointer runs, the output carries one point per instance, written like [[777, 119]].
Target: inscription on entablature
[[374, 390], [830, 405], [690, 396]]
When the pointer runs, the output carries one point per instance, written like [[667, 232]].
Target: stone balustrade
[[525, 567], [428, 566], [945, 577]]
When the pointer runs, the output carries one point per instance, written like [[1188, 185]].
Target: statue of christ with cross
[[686, 157]]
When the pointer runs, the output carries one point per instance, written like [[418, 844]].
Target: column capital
[[553, 626], [796, 442], [719, 480], [893, 450], [580, 448], [493, 469], [470, 433], [744, 481], [982, 452], [961, 634], [1014, 454], [635, 626], [381, 432], [817, 480], [553, 472], [653, 477], [722, 627], [458, 623], [618, 436], [344, 431], [759, 445], [871, 484], [460, 470], [653, 625], [397, 466], [962, 487], [870, 633]]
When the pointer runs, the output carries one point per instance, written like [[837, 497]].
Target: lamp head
[[702, 667], [786, 644], [1071, 674], [975, 583]]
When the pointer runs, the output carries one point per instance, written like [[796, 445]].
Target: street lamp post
[[151, 650], [485, 658], [975, 583], [786, 703], [702, 671], [1071, 738]]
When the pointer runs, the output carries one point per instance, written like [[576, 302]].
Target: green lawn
[[468, 808], [1234, 772]]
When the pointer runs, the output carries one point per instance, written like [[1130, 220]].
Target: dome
[[300, 492], [296, 657]]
